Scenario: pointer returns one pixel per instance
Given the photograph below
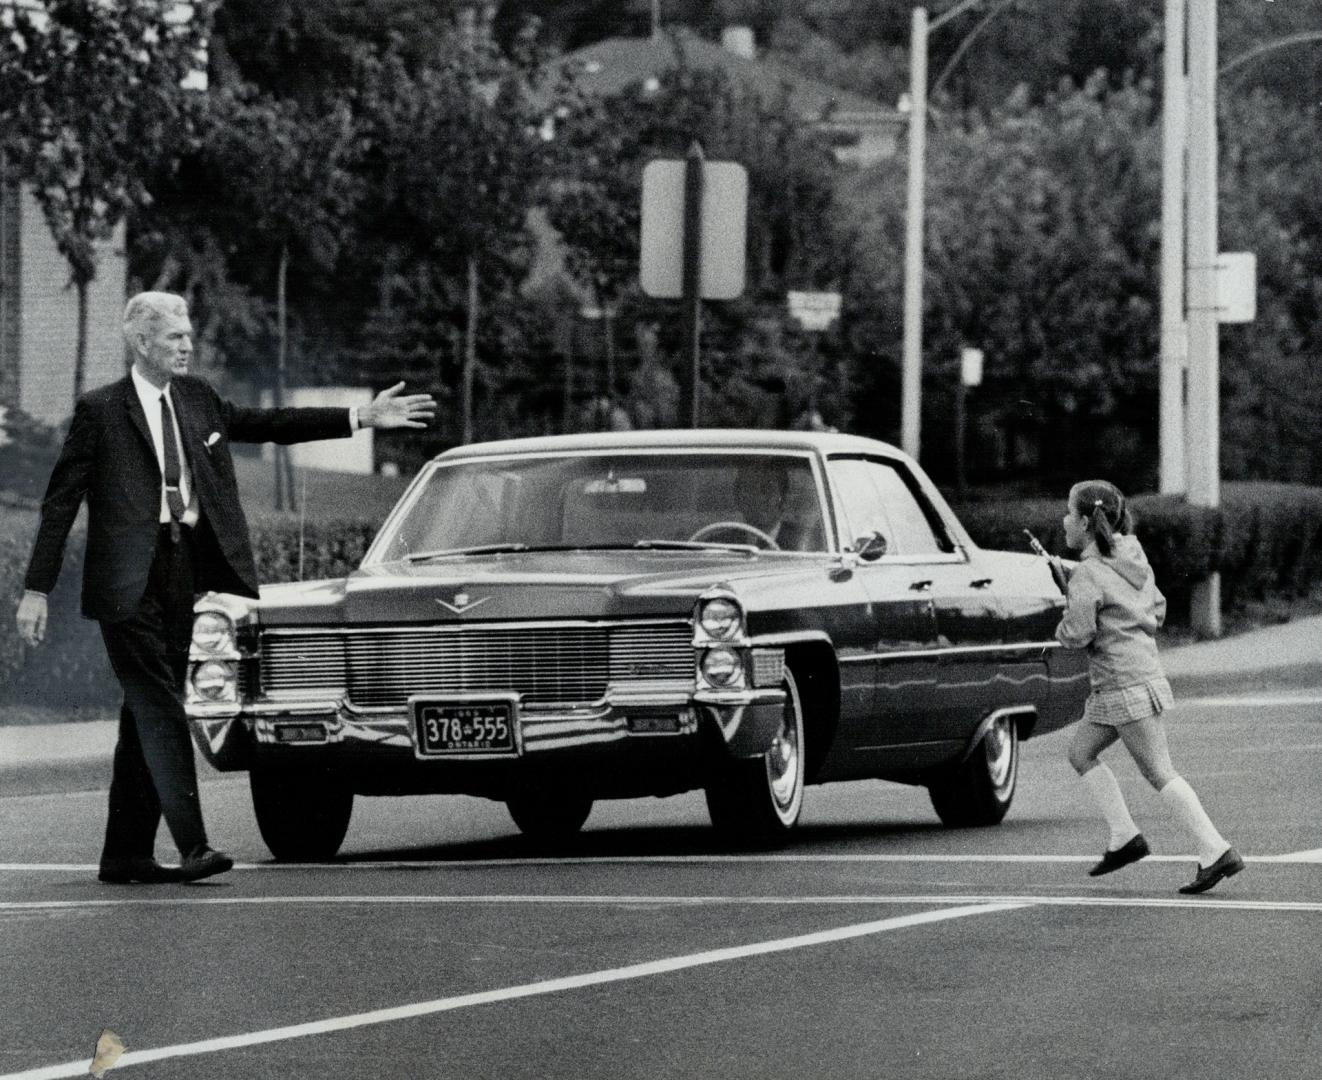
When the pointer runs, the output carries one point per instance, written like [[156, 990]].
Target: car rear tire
[[756, 802], [548, 818], [302, 815], [979, 790]]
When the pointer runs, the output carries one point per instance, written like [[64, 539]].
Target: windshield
[[768, 501]]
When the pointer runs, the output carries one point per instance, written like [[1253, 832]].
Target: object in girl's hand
[[1058, 574]]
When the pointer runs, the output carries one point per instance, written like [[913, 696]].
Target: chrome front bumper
[[747, 720]]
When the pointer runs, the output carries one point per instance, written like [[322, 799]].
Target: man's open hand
[[391, 410], [31, 618]]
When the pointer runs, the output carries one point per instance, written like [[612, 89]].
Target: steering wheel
[[740, 526]]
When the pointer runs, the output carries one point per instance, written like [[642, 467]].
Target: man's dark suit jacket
[[109, 459]]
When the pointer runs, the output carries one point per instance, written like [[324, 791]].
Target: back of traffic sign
[[723, 229]]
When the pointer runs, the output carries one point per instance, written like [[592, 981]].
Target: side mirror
[[871, 548]]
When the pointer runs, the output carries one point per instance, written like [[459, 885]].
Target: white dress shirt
[[150, 397]]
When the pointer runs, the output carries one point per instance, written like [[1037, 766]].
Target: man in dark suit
[[150, 454]]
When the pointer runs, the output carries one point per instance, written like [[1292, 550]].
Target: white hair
[[144, 311]]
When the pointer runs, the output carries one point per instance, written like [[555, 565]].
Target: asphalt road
[[877, 945]]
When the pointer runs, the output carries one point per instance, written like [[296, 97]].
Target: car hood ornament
[[462, 602]]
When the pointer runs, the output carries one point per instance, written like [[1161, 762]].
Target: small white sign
[[1236, 287], [970, 367], [814, 310]]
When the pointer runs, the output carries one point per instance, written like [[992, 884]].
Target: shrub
[[28, 449], [1265, 538]]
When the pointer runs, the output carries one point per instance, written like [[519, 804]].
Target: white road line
[[664, 860], [630, 900], [1312, 856], [1251, 701], [511, 993]]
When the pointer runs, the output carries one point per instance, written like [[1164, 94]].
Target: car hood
[[522, 585]]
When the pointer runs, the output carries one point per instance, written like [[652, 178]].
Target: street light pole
[[1172, 477], [912, 370], [1203, 446]]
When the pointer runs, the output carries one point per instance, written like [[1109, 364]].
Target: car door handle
[[980, 583], [921, 586]]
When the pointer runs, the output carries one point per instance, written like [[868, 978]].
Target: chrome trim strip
[[790, 637], [991, 718], [459, 628], [952, 650]]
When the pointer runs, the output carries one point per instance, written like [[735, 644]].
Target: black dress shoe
[[1128, 853], [141, 868], [1228, 865], [203, 862]]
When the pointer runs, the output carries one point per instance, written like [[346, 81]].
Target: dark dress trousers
[[140, 577]]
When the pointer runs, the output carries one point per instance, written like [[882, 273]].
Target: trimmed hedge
[[70, 668], [1264, 539]]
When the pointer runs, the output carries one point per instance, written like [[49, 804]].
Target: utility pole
[[911, 387], [1203, 447], [1173, 478]]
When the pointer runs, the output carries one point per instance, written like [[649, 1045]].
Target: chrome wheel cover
[[785, 758], [998, 744]]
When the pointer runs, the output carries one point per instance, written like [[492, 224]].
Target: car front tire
[[979, 790], [756, 802], [302, 815]]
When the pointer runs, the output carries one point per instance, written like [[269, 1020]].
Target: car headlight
[[720, 618], [215, 680], [722, 667], [213, 632]]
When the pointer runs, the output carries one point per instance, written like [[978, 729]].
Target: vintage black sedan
[[552, 621]]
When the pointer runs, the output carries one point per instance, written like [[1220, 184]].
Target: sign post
[[690, 390], [814, 311], [970, 374], [694, 216]]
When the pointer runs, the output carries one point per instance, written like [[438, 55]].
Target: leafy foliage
[[91, 101]]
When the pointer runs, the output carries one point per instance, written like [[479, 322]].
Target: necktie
[[174, 500]]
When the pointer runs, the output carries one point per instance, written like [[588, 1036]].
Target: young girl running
[[1113, 610]]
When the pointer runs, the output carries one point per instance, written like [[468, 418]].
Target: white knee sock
[[1101, 783], [1189, 812]]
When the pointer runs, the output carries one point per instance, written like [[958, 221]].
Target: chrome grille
[[545, 663]]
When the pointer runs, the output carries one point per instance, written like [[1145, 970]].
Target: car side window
[[872, 497]]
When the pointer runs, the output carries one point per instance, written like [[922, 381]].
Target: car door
[[901, 666]]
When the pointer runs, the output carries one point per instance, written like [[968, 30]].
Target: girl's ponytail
[[1104, 508], [1100, 526]]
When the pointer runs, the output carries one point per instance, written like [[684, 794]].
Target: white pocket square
[[212, 439]]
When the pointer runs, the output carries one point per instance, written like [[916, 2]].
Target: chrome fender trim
[[991, 718]]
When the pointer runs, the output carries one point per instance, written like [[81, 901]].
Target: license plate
[[445, 728]]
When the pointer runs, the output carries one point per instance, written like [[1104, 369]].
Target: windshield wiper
[[693, 545], [483, 549]]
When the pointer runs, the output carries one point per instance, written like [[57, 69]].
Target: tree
[[796, 238], [290, 174], [462, 160], [92, 101]]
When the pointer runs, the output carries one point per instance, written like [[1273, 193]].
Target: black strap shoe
[[1228, 865], [139, 868], [203, 862], [1128, 853]]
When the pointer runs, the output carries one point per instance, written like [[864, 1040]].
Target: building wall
[[48, 319]]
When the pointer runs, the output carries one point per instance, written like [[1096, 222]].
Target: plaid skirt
[[1129, 703]]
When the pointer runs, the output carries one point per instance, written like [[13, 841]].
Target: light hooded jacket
[[1113, 609]]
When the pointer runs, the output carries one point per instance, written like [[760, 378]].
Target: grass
[[329, 495]]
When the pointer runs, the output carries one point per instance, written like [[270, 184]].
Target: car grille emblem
[[462, 602]]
